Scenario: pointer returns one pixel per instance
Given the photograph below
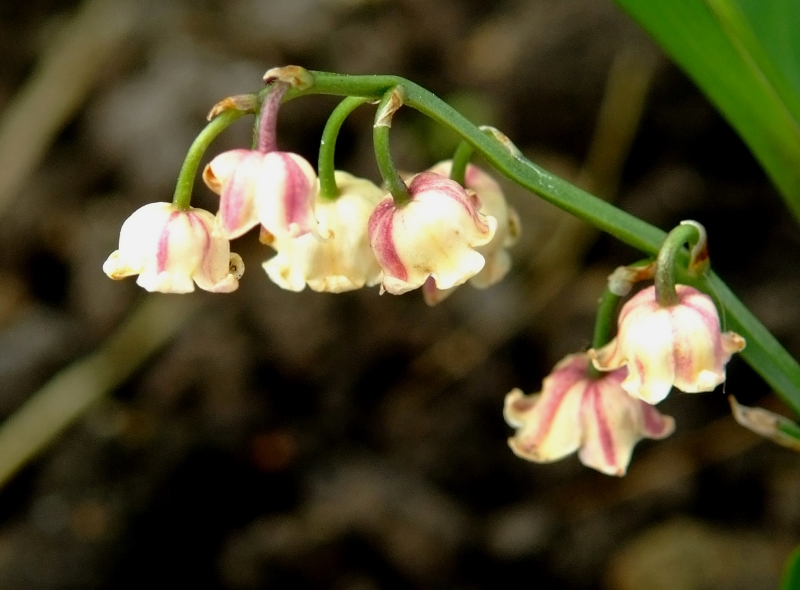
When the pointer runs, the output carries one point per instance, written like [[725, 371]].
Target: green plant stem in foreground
[[183, 189], [327, 146], [763, 352]]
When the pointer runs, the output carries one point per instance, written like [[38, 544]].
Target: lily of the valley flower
[[171, 250], [433, 235], [492, 203], [340, 258], [275, 189], [576, 412], [662, 346]]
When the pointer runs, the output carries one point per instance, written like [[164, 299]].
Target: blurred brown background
[[356, 442]]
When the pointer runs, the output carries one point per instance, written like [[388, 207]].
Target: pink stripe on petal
[[235, 195], [196, 223], [296, 193], [640, 369], [603, 429], [711, 321], [432, 182], [380, 228], [682, 357], [551, 399], [162, 251]]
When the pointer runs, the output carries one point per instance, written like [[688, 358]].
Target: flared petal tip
[[732, 342], [116, 269]]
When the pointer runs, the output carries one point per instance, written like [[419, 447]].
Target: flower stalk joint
[[688, 232]]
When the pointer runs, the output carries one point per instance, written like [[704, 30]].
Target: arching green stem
[[183, 189], [623, 226], [390, 102], [764, 353], [665, 263], [327, 146], [604, 325]]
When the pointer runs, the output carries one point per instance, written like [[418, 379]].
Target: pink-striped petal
[[434, 235], [172, 250], [575, 411]]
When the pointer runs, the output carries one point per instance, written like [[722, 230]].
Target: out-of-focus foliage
[[745, 56]]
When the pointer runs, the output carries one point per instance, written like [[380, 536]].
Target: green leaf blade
[[754, 82], [791, 571]]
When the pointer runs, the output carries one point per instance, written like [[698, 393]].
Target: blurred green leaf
[[745, 56], [791, 571]]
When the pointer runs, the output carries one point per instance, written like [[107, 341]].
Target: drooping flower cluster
[[337, 233], [603, 416], [359, 238]]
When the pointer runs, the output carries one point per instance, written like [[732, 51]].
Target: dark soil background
[[356, 442]]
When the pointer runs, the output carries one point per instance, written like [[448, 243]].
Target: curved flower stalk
[[662, 346], [576, 412], [433, 235], [274, 189], [492, 203], [172, 249], [341, 258]]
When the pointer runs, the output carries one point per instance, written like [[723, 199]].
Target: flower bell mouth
[[172, 250], [679, 345]]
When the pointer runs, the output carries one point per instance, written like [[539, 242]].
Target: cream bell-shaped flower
[[678, 345], [433, 235], [493, 203], [274, 189], [171, 250], [340, 258], [575, 412]]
